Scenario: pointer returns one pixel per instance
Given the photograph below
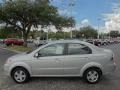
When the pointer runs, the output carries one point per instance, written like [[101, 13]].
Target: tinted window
[[52, 50], [78, 49]]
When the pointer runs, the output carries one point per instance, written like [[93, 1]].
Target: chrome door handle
[[58, 59]]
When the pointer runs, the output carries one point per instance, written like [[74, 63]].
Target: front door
[[50, 61]]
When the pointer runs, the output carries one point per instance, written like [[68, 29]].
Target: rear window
[[78, 49]]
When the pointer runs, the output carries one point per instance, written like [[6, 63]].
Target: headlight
[[8, 61]]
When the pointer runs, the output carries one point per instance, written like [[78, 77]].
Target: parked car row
[[1, 41], [12, 41], [99, 42], [37, 42], [30, 40], [96, 42]]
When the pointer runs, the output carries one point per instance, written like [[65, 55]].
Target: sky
[[86, 11]]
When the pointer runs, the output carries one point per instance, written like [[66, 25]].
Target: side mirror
[[36, 55]]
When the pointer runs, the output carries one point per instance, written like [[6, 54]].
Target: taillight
[[112, 59]]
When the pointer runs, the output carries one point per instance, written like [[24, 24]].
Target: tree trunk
[[25, 42], [25, 34], [25, 39]]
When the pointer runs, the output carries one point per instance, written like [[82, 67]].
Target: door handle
[[85, 57], [59, 59]]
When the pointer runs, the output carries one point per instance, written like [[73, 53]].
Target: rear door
[[77, 56]]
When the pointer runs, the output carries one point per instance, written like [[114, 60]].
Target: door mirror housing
[[36, 55]]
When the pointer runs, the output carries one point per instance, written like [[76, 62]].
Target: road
[[110, 82]]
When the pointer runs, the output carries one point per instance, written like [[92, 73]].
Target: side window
[[52, 50], [75, 49]]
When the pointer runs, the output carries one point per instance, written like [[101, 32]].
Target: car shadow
[[56, 79], [62, 82], [104, 79]]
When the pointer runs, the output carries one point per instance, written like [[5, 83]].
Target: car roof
[[68, 41]]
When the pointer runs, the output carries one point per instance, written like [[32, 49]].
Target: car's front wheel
[[92, 75], [20, 75]]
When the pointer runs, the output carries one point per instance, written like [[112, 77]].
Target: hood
[[17, 55], [22, 56]]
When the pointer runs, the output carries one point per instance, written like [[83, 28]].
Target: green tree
[[23, 14], [114, 34], [88, 32], [9, 32]]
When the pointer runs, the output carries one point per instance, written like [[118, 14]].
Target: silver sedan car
[[65, 58]]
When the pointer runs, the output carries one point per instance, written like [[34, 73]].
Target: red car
[[11, 41]]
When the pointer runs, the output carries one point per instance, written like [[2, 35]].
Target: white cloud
[[64, 12], [51, 29], [101, 29], [113, 22], [113, 19], [85, 22]]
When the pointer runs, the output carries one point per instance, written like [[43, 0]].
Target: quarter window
[[78, 49]]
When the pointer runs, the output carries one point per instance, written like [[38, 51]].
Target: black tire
[[97, 75], [7, 44], [24, 72]]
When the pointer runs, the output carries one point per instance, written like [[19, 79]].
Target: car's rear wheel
[[20, 75], [92, 75]]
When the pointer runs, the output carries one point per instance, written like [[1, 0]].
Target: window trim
[[78, 54], [64, 51]]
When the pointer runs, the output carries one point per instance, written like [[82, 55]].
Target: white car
[[65, 58], [38, 42]]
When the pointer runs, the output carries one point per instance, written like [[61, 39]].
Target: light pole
[[71, 34], [47, 32], [49, 26], [98, 37], [71, 5], [109, 34], [99, 19]]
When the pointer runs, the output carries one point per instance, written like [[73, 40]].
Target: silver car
[[65, 58]]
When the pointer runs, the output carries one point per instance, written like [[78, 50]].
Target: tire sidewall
[[86, 72], [22, 69]]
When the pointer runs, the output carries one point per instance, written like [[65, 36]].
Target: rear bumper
[[109, 68]]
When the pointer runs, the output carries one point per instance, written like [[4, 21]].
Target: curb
[[11, 50]]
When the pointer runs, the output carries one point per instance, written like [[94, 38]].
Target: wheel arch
[[91, 65], [20, 65]]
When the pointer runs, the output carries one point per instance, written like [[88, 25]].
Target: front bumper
[[6, 70]]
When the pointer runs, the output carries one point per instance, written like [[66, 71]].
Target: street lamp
[[71, 5], [99, 19], [98, 37], [48, 30], [71, 35]]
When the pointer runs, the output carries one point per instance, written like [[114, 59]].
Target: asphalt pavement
[[109, 82]]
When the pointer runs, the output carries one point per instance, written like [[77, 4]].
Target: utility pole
[[63, 8], [71, 6], [99, 19]]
